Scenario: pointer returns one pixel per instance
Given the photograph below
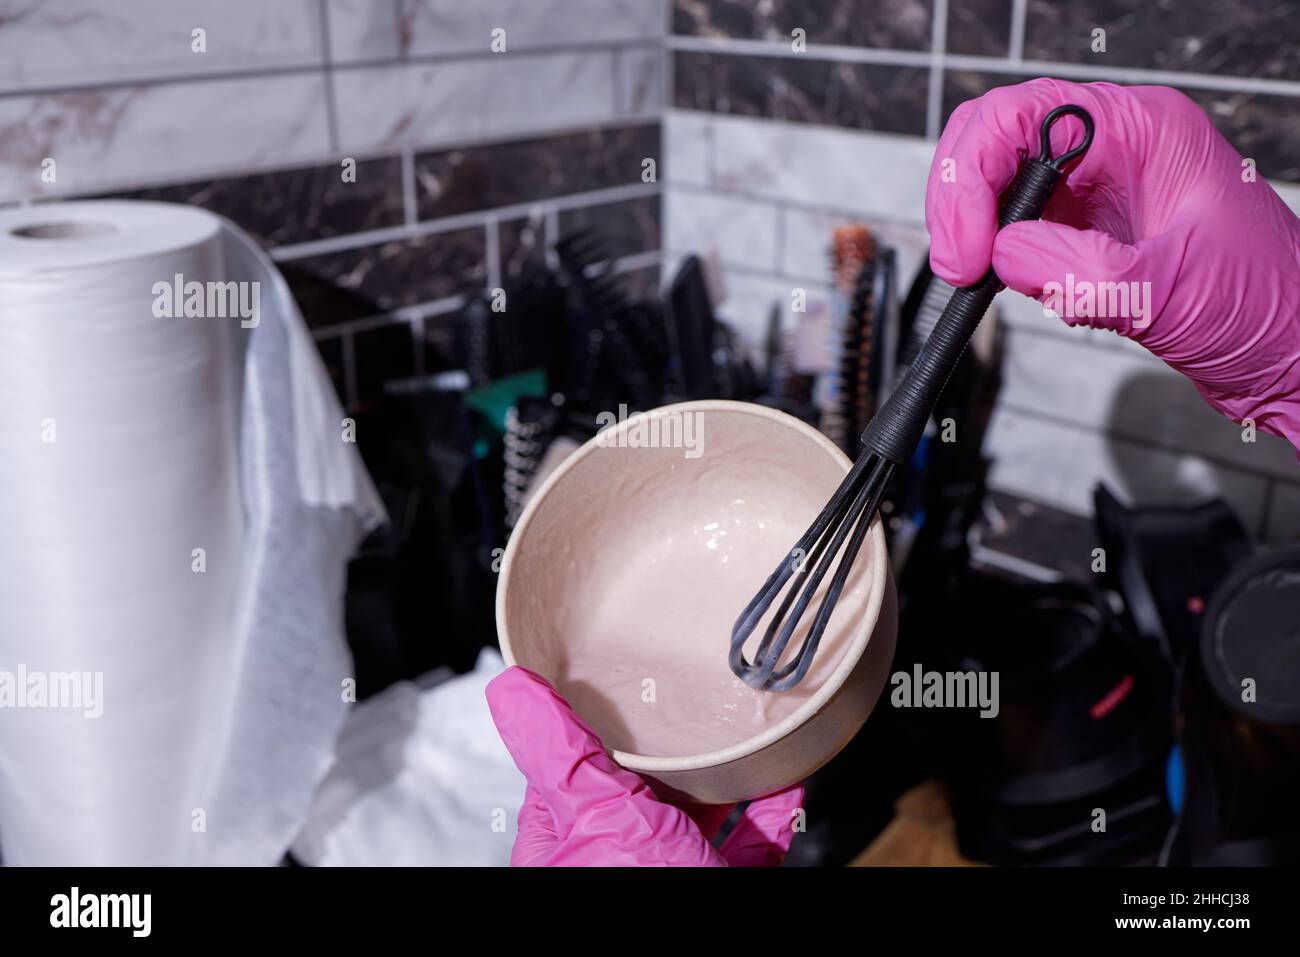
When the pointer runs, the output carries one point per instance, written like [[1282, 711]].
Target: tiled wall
[[767, 150], [469, 161]]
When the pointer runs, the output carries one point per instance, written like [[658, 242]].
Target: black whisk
[[888, 442]]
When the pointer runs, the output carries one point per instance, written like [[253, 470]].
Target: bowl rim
[[853, 654]]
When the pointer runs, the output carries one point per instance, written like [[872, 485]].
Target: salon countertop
[[922, 833]]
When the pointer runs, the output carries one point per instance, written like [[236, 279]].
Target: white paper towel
[[422, 779], [128, 441]]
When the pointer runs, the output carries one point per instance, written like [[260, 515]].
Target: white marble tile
[[1021, 311], [60, 43], [364, 30], [465, 26], [140, 135], [687, 139], [807, 237], [640, 82], [1140, 398], [436, 103], [1290, 193], [1060, 465], [879, 174], [742, 233], [749, 302]]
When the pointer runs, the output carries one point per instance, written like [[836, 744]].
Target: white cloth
[[422, 779], [128, 442]]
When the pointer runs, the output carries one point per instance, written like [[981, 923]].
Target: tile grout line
[[307, 68], [954, 61], [758, 272], [407, 314], [444, 224], [667, 82], [410, 209], [938, 48], [327, 76], [431, 308], [400, 10], [711, 154], [779, 49], [802, 206], [1016, 42], [729, 47], [492, 241], [616, 93], [315, 160], [1288, 190], [667, 94], [778, 250]]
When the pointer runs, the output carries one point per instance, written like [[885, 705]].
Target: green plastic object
[[494, 400]]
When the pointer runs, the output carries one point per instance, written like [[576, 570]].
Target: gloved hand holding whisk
[[1160, 199]]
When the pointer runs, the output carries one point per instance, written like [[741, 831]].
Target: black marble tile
[[979, 27], [1198, 36], [337, 287], [523, 245], [854, 95], [524, 171], [382, 354], [1264, 127], [893, 24], [624, 228], [296, 205], [962, 85], [331, 353]]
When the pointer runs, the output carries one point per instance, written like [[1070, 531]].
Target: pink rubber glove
[[582, 809], [1159, 198]]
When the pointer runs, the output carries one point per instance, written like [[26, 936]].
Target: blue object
[[1175, 779]]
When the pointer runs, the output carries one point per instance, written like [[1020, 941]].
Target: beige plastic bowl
[[585, 534]]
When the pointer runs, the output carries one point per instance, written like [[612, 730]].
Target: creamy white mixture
[[648, 669]]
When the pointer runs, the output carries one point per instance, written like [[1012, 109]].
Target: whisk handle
[[896, 428]]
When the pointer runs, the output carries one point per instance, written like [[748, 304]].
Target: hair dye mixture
[[646, 662]]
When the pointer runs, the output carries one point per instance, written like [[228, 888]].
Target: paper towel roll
[[177, 503]]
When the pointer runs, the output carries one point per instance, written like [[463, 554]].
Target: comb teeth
[[853, 253], [630, 341], [855, 397]]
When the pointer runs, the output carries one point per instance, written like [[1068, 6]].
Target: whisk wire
[[816, 550], [759, 604]]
